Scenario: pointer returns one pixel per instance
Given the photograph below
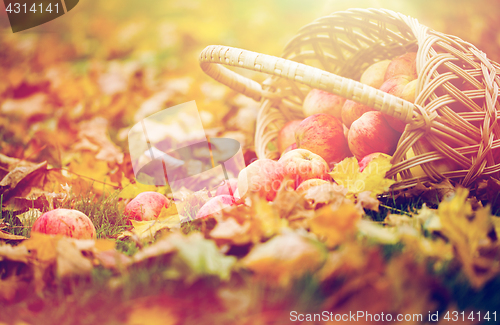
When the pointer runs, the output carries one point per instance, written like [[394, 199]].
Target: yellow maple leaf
[[372, 178], [102, 245], [44, 245], [266, 221], [95, 172], [167, 219], [131, 190], [334, 223], [468, 232]]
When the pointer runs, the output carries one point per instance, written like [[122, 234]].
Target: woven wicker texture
[[456, 94]]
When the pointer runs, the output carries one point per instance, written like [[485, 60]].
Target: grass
[[104, 212], [393, 205]]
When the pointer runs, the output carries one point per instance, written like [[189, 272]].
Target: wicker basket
[[333, 51]]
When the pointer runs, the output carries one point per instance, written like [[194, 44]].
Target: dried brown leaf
[[159, 248], [14, 253], [8, 236], [326, 194], [70, 261], [365, 200], [93, 136], [14, 177], [230, 231]]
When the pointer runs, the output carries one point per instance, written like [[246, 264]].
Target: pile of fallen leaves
[[67, 102], [256, 263]]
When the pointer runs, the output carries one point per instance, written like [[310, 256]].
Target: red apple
[[352, 110], [368, 158], [65, 222], [346, 130], [286, 136], [301, 165], [323, 135], [395, 85], [290, 147], [399, 86], [146, 206], [304, 186], [405, 64], [214, 206], [319, 101], [263, 176], [371, 133], [228, 188], [374, 75]]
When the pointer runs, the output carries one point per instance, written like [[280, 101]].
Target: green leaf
[[198, 257]]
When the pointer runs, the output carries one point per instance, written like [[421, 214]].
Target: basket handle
[[213, 56]]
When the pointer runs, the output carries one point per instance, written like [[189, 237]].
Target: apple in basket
[[352, 110], [371, 133], [146, 206], [403, 87], [301, 165], [286, 136], [65, 222], [374, 75], [346, 130], [263, 176], [319, 101], [323, 135], [441, 165], [405, 64]]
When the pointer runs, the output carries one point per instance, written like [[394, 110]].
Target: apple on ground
[[368, 158], [214, 206], [229, 187], [65, 222], [263, 176], [318, 101], [403, 87], [304, 186], [352, 110], [146, 206], [405, 64], [323, 135], [371, 133], [301, 165], [374, 75], [286, 136]]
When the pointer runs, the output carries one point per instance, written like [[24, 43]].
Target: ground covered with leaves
[[68, 97]]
